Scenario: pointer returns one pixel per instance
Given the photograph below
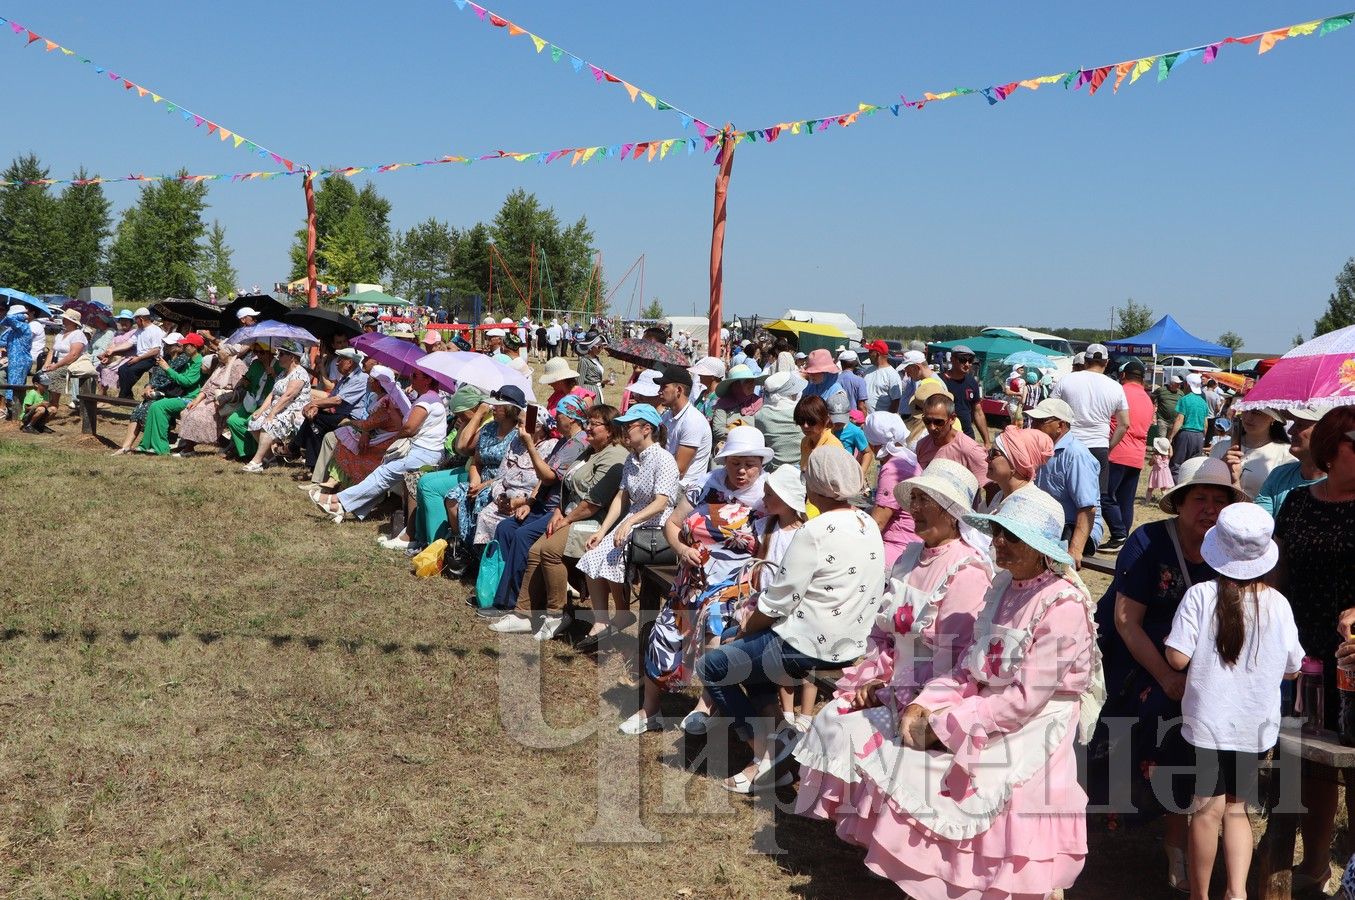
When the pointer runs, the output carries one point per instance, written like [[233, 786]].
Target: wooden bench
[[13, 404], [89, 400], [1304, 756]]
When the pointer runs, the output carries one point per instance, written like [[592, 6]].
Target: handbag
[[398, 449], [648, 546], [576, 545], [491, 573]]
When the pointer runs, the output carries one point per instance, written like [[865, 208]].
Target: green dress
[[155, 438]]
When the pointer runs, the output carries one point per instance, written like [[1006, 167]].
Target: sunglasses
[[935, 423], [994, 453], [1000, 532]]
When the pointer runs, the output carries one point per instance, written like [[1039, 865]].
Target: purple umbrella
[[271, 332], [451, 368], [399, 355]]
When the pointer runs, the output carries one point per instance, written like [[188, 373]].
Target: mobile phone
[[531, 416]]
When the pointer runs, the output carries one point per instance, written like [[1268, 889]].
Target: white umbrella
[[453, 368]]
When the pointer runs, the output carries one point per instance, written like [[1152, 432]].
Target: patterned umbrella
[[271, 332], [399, 355], [452, 368], [1320, 373], [647, 353]]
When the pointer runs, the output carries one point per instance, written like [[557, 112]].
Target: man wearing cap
[[884, 387], [1126, 458], [944, 441], [149, 339], [1072, 476], [1286, 478], [851, 381], [959, 380], [347, 399], [248, 316], [689, 438], [915, 371], [1165, 397], [1187, 431], [1100, 411]]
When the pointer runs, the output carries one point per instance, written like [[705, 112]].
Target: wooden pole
[[717, 241], [312, 289]]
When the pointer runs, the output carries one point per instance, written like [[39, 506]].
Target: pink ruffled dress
[[999, 812]]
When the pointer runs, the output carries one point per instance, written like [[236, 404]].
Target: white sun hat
[[789, 486], [557, 369], [947, 482], [1204, 470], [1239, 545], [647, 385], [745, 441], [710, 366]]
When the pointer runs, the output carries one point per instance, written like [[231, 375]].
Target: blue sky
[[1218, 196]]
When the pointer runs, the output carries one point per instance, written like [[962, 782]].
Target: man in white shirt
[[884, 387], [689, 438], [1100, 410], [554, 334], [149, 339]]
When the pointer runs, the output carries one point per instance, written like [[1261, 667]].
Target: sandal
[[740, 783]]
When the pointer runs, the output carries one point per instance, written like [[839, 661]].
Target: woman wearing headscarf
[[469, 412], [362, 445], [776, 418], [816, 612], [1016, 455], [714, 540], [276, 421], [424, 427], [18, 344], [888, 435], [968, 787], [201, 421]]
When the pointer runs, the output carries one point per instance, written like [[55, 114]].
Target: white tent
[[696, 326], [840, 321]]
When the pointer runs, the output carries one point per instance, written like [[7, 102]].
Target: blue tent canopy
[[1168, 338]]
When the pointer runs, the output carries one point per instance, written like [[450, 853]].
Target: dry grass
[[208, 690]]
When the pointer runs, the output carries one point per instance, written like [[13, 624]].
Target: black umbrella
[[321, 322], [194, 314], [269, 307]]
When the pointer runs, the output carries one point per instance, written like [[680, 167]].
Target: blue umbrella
[[1030, 359], [271, 332], [26, 299]]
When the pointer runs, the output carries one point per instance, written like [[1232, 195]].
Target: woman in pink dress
[[888, 436], [968, 790]]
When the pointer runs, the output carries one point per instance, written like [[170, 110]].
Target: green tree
[[1340, 310], [214, 267], [1297, 339], [1230, 339], [30, 230], [347, 255], [85, 223], [1133, 318], [156, 248], [424, 260], [654, 310], [335, 200], [564, 254]]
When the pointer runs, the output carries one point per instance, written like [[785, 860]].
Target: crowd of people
[[831, 515]]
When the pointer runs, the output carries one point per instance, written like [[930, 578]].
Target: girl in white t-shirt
[[1236, 640]]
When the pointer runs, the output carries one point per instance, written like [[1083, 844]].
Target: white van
[[1063, 362]]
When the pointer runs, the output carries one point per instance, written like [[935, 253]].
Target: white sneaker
[[696, 722], [551, 626], [394, 544], [511, 624], [252, 468], [640, 723]]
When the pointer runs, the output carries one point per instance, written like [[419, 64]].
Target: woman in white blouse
[[816, 613], [1264, 446]]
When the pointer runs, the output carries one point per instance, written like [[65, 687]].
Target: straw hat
[[1239, 544], [947, 482], [557, 369], [788, 485], [72, 316], [1202, 470], [745, 441], [1162, 446], [1033, 517]]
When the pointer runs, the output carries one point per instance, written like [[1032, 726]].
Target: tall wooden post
[[717, 241], [312, 289]]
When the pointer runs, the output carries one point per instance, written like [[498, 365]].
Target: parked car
[[1171, 366]]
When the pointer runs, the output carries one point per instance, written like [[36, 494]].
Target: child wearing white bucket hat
[[1160, 473], [1238, 638]]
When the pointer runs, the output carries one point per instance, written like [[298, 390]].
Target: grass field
[[209, 690]]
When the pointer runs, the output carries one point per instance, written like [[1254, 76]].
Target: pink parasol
[[1320, 373], [451, 368]]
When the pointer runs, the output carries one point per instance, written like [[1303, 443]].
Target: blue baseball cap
[[640, 412]]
